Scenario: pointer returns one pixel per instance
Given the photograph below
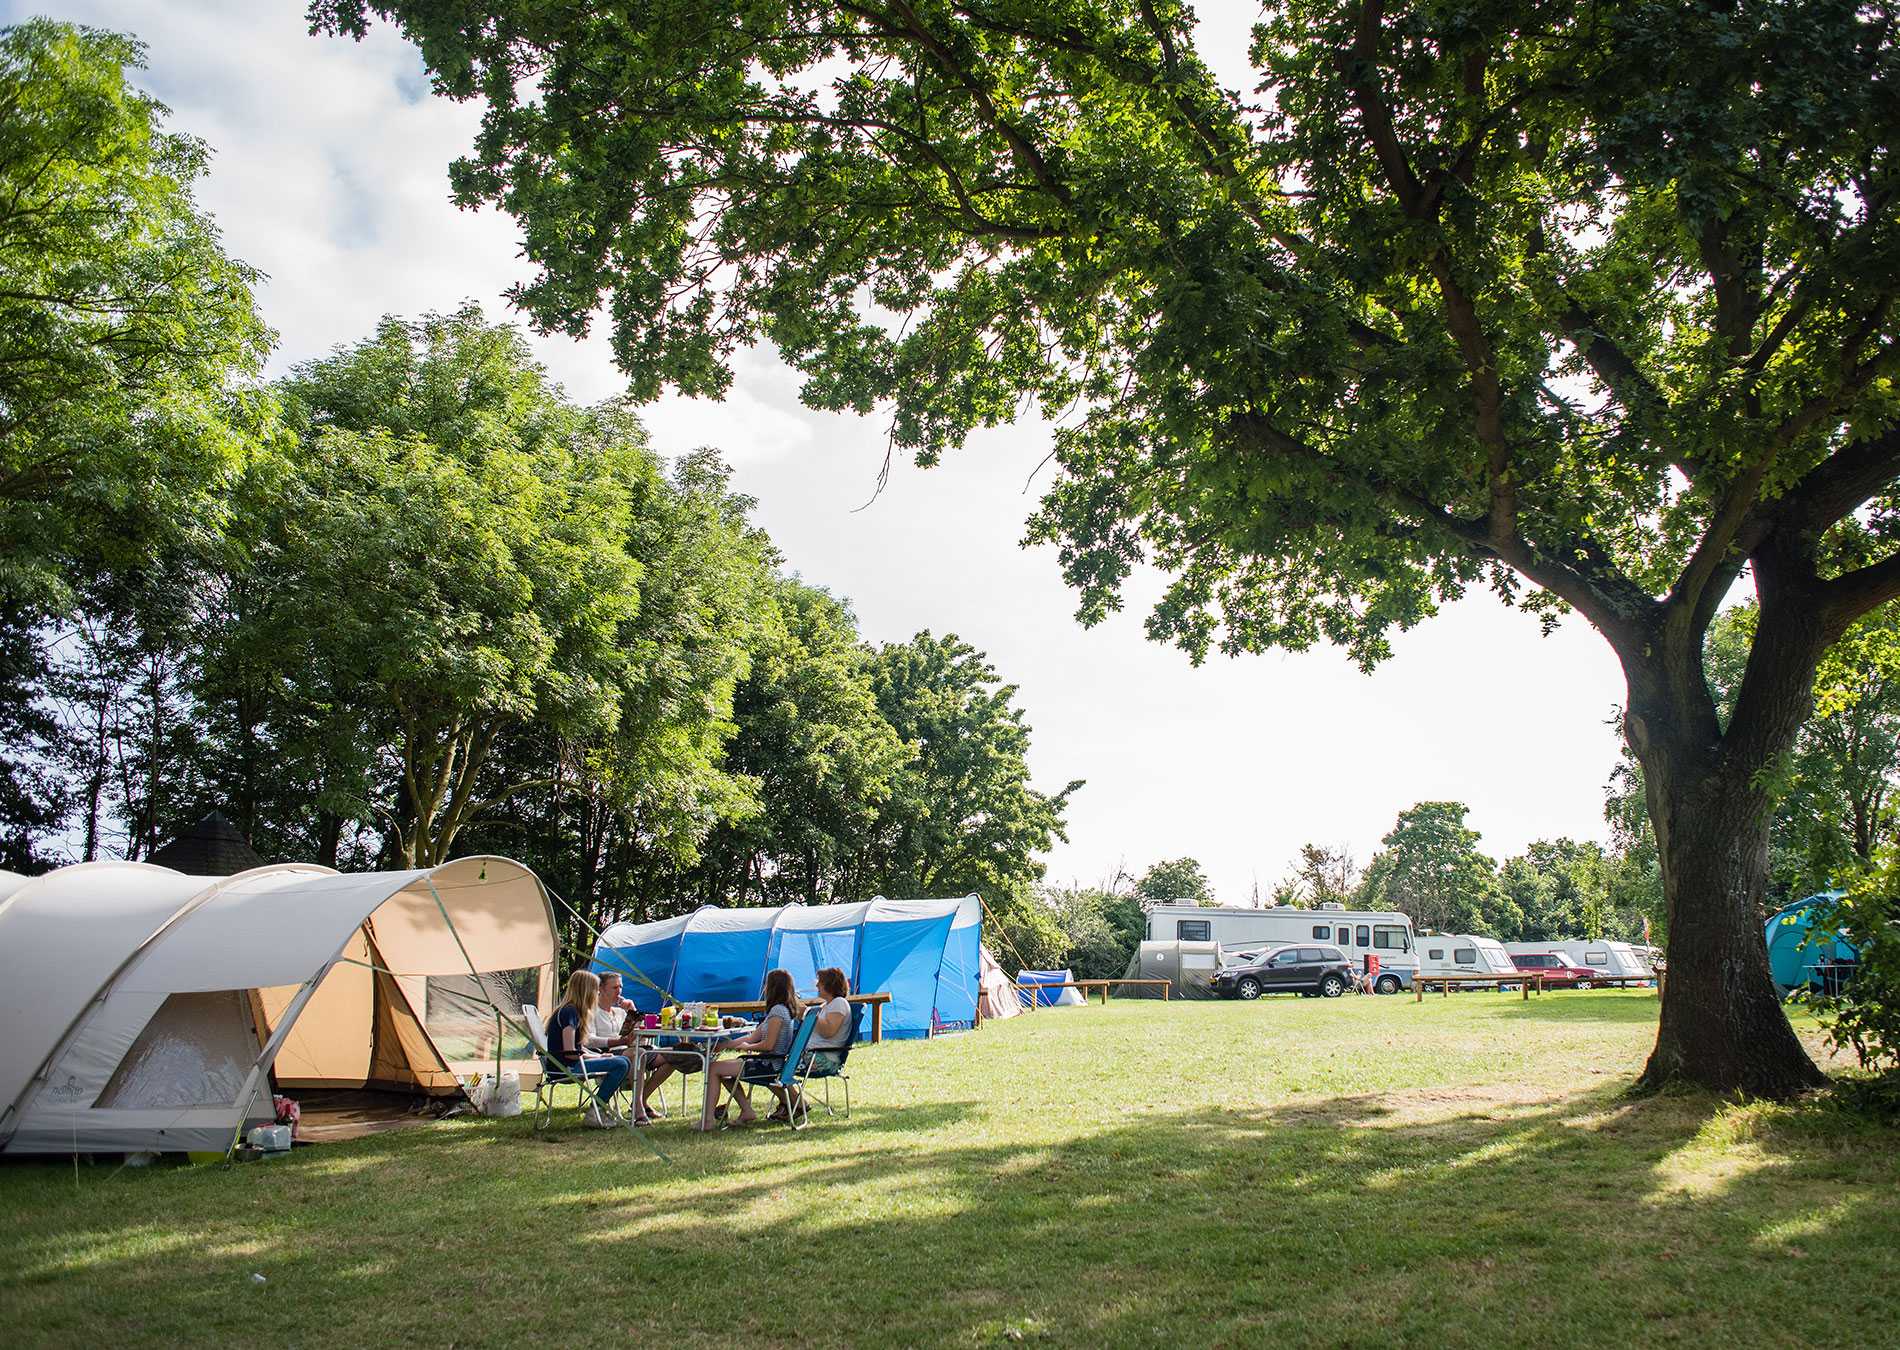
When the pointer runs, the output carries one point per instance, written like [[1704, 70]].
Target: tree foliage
[[122, 321], [1323, 874], [1432, 870], [1591, 304], [963, 816], [1175, 880]]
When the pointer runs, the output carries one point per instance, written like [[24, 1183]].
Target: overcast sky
[[330, 175]]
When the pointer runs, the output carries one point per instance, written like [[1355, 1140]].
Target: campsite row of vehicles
[[1243, 953]]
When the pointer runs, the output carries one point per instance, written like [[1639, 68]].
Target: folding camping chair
[[786, 1077], [555, 1074], [828, 1069]]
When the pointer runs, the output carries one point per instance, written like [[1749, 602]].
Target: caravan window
[[1596, 958], [1365, 936], [1465, 956], [1194, 930], [1436, 954], [1322, 931], [1390, 938]]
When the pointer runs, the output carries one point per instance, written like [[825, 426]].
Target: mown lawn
[[1360, 1171]]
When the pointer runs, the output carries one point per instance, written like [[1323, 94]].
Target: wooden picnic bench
[[1495, 979], [1026, 986]]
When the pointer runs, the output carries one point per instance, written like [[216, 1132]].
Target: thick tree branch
[[1855, 594], [1617, 607], [1838, 486]]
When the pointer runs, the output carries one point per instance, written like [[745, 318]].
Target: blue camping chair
[[784, 1080], [825, 1065]]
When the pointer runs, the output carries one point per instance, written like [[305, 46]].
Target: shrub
[[1864, 1015]]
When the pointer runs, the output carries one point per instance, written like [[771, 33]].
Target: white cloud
[[331, 176]]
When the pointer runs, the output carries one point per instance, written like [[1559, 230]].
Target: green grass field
[[1369, 1171]]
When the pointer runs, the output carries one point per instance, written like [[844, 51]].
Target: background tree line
[[410, 601]]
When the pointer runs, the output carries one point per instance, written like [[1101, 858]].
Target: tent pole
[[444, 910]]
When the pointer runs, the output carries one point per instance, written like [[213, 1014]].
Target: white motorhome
[[1615, 960], [1359, 933], [1462, 954]]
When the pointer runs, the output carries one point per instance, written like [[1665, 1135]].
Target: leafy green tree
[[33, 794], [821, 758], [1590, 304], [1324, 874], [457, 543], [1564, 889], [122, 321], [962, 816], [625, 821], [1100, 928], [1432, 870], [1176, 880]]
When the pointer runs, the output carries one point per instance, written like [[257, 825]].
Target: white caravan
[[1462, 954], [1612, 960], [1360, 933]]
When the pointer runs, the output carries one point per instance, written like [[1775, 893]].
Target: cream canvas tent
[[997, 993], [146, 1009]]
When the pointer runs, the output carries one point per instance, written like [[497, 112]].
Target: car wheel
[[1583, 984], [1388, 984], [1248, 989], [1332, 986]]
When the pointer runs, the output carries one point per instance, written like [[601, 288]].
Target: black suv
[[1325, 971]]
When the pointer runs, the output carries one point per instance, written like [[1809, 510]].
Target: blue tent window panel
[[957, 979], [715, 967], [804, 954], [902, 957]]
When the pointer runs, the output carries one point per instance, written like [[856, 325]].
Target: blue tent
[[1048, 992], [1796, 944], [923, 953]]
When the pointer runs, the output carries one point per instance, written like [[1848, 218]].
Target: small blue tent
[[923, 953], [1797, 944]]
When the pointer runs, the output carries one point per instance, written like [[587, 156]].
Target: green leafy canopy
[[1594, 295]]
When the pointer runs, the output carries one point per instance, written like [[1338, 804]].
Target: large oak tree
[[1590, 303]]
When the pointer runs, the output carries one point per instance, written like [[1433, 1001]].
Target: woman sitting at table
[[828, 1037], [763, 1049], [567, 1032]]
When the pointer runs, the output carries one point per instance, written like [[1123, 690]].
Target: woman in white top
[[832, 1032]]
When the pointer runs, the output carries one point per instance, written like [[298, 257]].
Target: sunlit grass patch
[[1145, 1174]]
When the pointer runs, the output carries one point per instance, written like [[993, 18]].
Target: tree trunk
[[1723, 1026]]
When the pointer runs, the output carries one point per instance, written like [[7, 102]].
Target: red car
[[1557, 972]]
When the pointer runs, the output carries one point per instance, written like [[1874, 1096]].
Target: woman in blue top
[[567, 1041], [764, 1049]]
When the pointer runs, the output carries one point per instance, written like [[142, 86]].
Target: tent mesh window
[[460, 1020], [196, 1051]]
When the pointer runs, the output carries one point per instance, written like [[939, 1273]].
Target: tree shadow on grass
[[1353, 1220]]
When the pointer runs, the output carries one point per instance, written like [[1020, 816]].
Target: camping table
[[702, 1042]]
